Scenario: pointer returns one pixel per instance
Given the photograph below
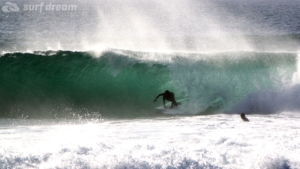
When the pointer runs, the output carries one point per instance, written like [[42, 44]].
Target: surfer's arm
[[158, 97]]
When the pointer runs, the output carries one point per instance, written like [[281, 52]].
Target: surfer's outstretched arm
[[158, 97]]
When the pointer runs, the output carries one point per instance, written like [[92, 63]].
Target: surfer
[[243, 116], [167, 95]]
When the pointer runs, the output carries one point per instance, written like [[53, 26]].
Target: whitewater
[[78, 80]]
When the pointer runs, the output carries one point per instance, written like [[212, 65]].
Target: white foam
[[220, 141]]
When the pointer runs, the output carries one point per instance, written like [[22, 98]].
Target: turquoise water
[[123, 83]]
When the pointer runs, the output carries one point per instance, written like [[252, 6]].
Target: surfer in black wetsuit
[[243, 116], [168, 96]]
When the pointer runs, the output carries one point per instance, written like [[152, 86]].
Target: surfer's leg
[[244, 118]]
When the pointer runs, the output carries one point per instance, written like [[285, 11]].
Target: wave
[[123, 84]]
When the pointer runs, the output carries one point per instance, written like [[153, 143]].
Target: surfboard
[[162, 108]]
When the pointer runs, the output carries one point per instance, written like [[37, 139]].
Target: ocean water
[[218, 141], [78, 79]]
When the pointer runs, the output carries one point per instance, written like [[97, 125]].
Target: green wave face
[[68, 82], [215, 83], [120, 84]]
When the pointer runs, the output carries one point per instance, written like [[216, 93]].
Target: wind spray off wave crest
[[156, 26]]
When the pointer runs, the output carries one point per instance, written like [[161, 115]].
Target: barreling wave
[[123, 84]]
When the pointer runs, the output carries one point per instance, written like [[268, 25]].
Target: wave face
[[123, 84], [47, 84]]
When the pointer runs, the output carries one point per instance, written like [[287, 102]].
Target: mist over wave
[[155, 26], [270, 101]]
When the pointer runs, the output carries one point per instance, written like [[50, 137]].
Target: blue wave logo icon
[[10, 7]]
